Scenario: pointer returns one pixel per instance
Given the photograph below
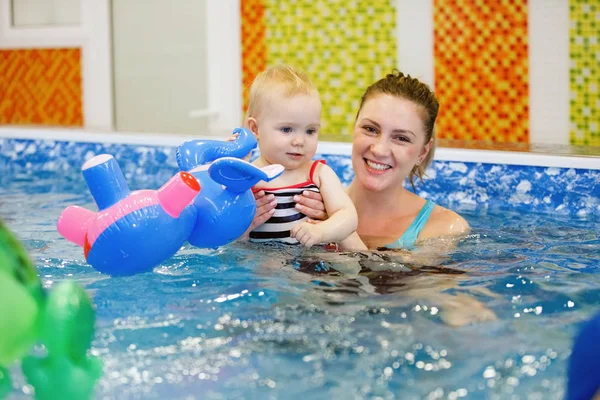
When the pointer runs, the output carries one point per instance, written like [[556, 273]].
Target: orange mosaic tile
[[41, 87], [254, 49], [481, 69]]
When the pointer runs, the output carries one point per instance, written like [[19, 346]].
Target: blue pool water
[[496, 321]]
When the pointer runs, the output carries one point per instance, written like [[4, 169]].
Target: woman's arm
[[343, 219]]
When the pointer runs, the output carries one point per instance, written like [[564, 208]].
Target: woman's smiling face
[[389, 139]]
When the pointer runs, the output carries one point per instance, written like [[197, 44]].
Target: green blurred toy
[[62, 319]]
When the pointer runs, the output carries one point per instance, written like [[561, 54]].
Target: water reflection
[[492, 319], [386, 278]]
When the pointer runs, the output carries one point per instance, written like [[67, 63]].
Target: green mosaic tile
[[584, 73], [343, 45]]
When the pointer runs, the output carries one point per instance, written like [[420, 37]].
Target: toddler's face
[[288, 129]]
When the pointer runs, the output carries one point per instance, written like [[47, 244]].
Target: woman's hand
[[311, 204], [265, 207]]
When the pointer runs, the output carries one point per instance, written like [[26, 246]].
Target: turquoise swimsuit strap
[[408, 239]]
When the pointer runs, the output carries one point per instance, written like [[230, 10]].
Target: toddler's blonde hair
[[281, 79]]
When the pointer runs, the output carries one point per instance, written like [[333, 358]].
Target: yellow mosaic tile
[[584, 73], [344, 46]]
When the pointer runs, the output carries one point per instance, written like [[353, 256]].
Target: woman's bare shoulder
[[444, 222]]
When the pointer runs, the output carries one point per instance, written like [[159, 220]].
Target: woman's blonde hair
[[404, 86], [281, 79]]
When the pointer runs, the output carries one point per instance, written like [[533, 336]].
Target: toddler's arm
[[352, 243], [342, 220]]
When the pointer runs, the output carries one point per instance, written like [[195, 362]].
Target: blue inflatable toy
[[132, 232], [225, 206], [583, 381]]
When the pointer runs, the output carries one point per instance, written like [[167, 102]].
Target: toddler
[[284, 113]]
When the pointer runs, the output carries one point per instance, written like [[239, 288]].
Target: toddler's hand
[[233, 138], [308, 234]]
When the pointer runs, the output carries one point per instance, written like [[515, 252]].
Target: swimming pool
[[270, 322]]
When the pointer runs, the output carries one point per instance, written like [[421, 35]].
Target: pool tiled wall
[[457, 185]]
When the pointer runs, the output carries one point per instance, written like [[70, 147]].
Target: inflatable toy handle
[[68, 326], [67, 372], [238, 175], [105, 180], [178, 192], [194, 153], [74, 223]]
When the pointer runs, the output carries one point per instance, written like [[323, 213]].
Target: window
[[29, 13]]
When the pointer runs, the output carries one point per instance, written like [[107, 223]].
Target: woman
[[393, 140]]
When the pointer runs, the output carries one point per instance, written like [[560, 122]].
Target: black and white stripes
[[285, 217]]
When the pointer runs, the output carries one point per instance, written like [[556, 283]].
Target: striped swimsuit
[[286, 216]]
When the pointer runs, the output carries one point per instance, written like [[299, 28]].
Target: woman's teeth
[[377, 166]]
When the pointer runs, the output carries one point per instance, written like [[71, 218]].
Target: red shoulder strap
[[313, 167]]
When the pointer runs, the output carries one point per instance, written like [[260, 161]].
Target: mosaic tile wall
[[584, 50], [41, 87], [480, 51], [343, 46], [481, 69]]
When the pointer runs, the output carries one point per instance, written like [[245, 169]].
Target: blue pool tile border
[[567, 191]]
